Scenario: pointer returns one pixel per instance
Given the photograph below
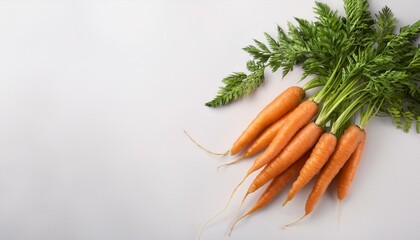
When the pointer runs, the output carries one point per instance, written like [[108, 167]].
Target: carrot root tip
[[285, 202], [205, 149], [296, 221], [243, 199], [229, 163], [221, 211], [234, 224], [340, 202]]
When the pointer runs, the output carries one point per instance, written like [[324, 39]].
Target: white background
[[94, 97]]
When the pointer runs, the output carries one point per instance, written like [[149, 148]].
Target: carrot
[[275, 187], [285, 102], [265, 138], [304, 140], [347, 173], [345, 147], [297, 119], [261, 142], [319, 156]]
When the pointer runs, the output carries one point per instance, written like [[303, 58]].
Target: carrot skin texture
[[345, 147], [278, 183], [265, 138], [261, 142], [348, 172], [319, 156], [297, 119], [304, 140], [285, 102], [274, 188]]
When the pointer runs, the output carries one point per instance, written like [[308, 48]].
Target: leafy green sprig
[[384, 83], [358, 63], [316, 45], [238, 84]]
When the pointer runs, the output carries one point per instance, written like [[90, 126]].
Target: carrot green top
[[358, 64]]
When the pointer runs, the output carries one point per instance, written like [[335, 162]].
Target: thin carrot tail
[[296, 221], [231, 162], [339, 208], [205, 149], [221, 211], [289, 197], [236, 222], [286, 201], [236, 188], [210, 220], [243, 199]]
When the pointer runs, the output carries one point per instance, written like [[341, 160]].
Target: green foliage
[[404, 119], [359, 61], [359, 22], [418, 124], [259, 52], [385, 23], [239, 84]]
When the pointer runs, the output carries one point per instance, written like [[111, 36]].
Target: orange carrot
[[285, 102], [304, 140], [265, 138], [275, 187], [345, 147], [319, 156], [347, 173], [297, 119], [261, 142]]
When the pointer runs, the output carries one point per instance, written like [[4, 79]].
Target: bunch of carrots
[[297, 148], [361, 69], [291, 145]]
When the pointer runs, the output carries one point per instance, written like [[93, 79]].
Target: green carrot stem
[[355, 106], [332, 103], [372, 110], [329, 85]]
